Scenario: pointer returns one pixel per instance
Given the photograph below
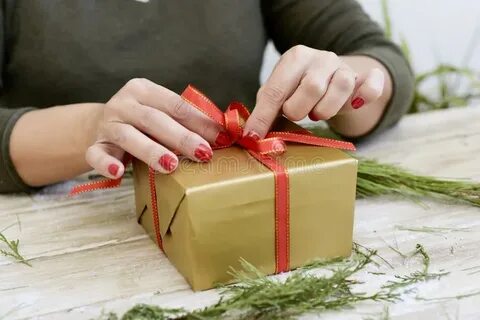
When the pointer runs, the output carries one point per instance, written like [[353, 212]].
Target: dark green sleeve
[[341, 26], [9, 179]]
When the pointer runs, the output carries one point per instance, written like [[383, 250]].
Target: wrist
[[89, 123]]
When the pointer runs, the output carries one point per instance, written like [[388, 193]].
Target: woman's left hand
[[312, 82]]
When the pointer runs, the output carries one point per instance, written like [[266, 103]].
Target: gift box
[[278, 210]]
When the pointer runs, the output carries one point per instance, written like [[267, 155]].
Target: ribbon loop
[[237, 114]]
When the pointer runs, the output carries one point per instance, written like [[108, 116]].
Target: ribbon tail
[[95, 185]]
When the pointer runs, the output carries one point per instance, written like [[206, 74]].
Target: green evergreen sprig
[[377, 179], [417, 276], [259, 297], [12, 250]]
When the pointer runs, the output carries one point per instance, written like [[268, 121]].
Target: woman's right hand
[[149, 121]]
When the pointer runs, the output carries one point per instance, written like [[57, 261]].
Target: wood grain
[[88, 253]]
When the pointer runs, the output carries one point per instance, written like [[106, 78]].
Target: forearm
[[48, 146], [363, 120]]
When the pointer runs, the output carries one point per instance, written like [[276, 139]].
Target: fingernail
[[203, 153], [312, 117], [222, 139], [168, 162], [253, 135], [357, 103], [113, 169]]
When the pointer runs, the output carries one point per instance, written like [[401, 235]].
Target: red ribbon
[[263, 150]]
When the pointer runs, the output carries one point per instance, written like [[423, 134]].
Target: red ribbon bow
[[263, 150]]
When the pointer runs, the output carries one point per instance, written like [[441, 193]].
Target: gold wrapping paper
[[212, 214]]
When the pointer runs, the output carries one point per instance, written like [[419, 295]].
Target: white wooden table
[[89, 254]]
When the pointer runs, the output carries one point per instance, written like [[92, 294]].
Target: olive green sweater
[[59, 52]]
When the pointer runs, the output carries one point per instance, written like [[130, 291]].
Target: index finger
[[156, 96], [283, 81]]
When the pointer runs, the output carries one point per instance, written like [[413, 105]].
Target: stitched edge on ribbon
[[300, 130], [209, 102], [278, 146], [242, 109], [153, 198], [313, 140], [282, 212], [95, 185]]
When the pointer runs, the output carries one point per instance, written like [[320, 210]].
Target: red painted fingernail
[[222, 139], [168, 162], [113, 169], [203, 153], [312, 116], [357, 103], [253, 135]]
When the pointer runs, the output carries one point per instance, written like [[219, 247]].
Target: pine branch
[[377, 179], [147, 312], [380, 179], [417, 276], [12, 250], [259, 297]]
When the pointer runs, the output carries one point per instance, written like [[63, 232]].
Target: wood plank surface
[[89, 255]]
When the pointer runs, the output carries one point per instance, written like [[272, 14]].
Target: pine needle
[[260, 297], [400, 253], [378, 179], [12, 250], [417, 276], [385, 315], [256, 296], [147, 312]]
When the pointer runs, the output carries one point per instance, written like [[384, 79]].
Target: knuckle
[[298, 50], [370, 93], [110, 108], [89, 156], [261, 121], [330, 56], [136, 85], [324, 114], [272, 94], [344, 80], [146, 118], [181, 109], [205, 130], [291, 112], [314, 87], [116, 135], [185, 140], [152, 157]]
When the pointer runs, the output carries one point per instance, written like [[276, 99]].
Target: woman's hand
[[150, 122], [319, 84]]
